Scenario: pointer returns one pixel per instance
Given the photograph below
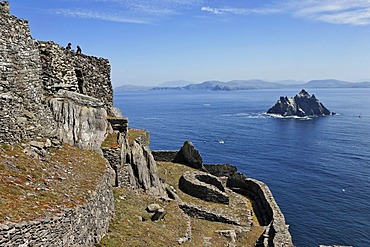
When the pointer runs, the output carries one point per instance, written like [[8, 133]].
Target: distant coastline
[[247, 85]]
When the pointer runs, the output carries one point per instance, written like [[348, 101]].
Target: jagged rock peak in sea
[[301, 105]]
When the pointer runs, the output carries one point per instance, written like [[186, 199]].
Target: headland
[[70, 162]]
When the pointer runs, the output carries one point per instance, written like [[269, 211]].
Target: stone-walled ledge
[[164, 155], [84, 225], [277, 232], [268, 212], [201, 213], [204, 186]]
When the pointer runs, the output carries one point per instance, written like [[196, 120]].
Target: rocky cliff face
[[301, 105], [81, 120]]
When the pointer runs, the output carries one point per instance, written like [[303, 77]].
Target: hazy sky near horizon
[[151, 41]]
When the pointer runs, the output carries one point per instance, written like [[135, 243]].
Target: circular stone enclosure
[[203, 186]]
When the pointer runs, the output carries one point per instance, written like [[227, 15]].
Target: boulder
[[189, 156], [154, 207], [142, 169], [159, 214], [301, 105]]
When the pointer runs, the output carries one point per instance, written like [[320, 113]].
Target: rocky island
[[301, 105], [71, 169]]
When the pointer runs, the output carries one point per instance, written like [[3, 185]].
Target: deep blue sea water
[[317, 169]]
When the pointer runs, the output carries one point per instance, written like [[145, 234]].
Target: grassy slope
[[32, 188]]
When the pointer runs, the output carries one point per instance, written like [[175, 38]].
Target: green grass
[[111, 141], [127, 229], [134, 134]]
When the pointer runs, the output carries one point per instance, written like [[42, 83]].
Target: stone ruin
[[210, 183], [50, 93], [203, 186]]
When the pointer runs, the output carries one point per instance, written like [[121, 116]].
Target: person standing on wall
[[79, 51]]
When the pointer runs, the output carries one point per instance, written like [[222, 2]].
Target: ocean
[[318, 169]]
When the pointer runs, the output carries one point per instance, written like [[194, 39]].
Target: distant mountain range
[[247, 85]]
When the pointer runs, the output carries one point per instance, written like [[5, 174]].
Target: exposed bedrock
[[301, 105], [81, 120], [143, 168]]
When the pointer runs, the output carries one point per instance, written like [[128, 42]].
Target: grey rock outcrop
[[152, 208], [301, 105], [143, 169], [189, 156], [81, 120]]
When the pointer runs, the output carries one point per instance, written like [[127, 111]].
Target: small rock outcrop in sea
[[301, 105]]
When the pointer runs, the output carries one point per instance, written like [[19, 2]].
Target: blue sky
[[152, 41]]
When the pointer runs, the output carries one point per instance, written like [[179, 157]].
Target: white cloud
[[88, 14], [240, 11], [131, 11], [352, 12], [359, 17], [154, 7]]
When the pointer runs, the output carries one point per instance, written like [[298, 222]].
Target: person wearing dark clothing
[[79, 50], [69, 46]]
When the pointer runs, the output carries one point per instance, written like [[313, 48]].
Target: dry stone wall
[[269, 213], [122, 171], [164, 155], [204, 186], [33, 104], [66, 69], [22, 114], [81, 226]]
